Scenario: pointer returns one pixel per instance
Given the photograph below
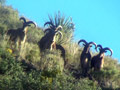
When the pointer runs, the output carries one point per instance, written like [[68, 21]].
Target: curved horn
[[93, 44], [50, 23], [82, 40], [58, 28], [22, 18], [31, 22], [100, 47], [60, 34], [109, 50], [54, 38]]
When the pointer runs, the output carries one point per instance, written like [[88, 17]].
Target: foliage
[[34, 35], [2, 2], [13, 77], [10, 70], [67, 26], [9, 19], [49, 72], [109, 75], [67, 82]]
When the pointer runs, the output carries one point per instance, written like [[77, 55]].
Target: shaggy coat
[[85, 57], [19, 35], [97, 61]]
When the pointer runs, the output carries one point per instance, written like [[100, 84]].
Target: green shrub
[[50, 73], [67, 82], [51, 60], [8, 64], [11, 72]]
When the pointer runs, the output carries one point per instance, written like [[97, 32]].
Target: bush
[[8, 64], [11, 72], [67, 82]]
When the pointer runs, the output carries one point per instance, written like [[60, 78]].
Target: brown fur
[[85, 57], [19, 36], [97, 61]]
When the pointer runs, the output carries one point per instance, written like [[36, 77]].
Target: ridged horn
[[93, 44], [58, 28], [31, 22], [54, 38], [60, 34], [108, 50], [50, 23], [82, 40], [100, 47], [22, 18]]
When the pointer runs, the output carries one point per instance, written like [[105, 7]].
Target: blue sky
[[95, 20]]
